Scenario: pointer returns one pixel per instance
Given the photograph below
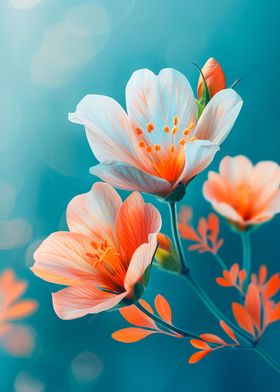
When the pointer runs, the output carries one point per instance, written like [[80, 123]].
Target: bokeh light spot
[[14, 232], [86, 367]]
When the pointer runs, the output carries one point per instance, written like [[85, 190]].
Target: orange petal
[[209, 337], [187, 232], [228, 331], [213, 226], [202, 228], [223, 282], [233, 272], [243, 318], [197, 343], [253, 304], [272, 286], [131, 334], [274, 314], [196, 357], [134, 316], [262, 274], [20, 310], [146, 305], [242, 277], [214, 76], [11, 288], [163, 308]]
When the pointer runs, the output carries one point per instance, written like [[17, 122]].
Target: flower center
[[167, 159]]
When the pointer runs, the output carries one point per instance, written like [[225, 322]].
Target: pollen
[[172, 148], [150, 127], [174, 130], [175, 120], [187, 132], [157, 147], [166, 129], [139, 131], [182, 142], [149, 149], [141, 144]]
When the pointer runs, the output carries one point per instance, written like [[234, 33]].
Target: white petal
[[107, 127], [123, 176], [158, 99], [219, 116]]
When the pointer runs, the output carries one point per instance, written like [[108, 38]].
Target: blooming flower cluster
[[164, 138]]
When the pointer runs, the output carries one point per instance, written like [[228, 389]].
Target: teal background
[[46, 68]]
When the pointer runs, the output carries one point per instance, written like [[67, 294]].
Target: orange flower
[[206, 235], [166, 256], [105, 258], [246, 195], [17, 339], [214, 77], [144, 325], [235, 277]]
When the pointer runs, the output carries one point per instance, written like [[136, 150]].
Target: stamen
[[141, 144], [175, 120], [172, 148], [166, 129], [150, 127], [186, 132], [157, 147], [174, 130], [149, 149], [139, 131], [182, 142]]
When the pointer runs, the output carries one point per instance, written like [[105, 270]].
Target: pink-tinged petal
[[225, 209], [123, 176], [236, 170], [64, 258], [216, 187], [77, 301], [107, 127], [158, 99], [141, 259], [135, 222], [219, 116], [94, 213], [271, 208], [199, 154]]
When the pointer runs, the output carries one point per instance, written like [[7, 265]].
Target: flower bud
[[166, 256], [214, 77]]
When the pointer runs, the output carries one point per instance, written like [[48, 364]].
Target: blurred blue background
[[52, 54]]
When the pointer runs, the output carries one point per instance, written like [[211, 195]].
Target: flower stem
[[267, 358], [220, 261], [186, 334], [176, 236], [246, 252]]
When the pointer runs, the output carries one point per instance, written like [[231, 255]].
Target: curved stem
[[176, 236], [268, 358], [246, 252], [220, 261], [186, 334]]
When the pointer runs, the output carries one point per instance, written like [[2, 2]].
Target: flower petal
[[163, 308], [124, 176], [253, 305], [94, 213], [141, 259], [243, 318], [199, 154], [198, 356], [135, 222], [77, 301], [107, 127], [135, 316], [158, 99], [228, 331], [131, 334], [64, 258], [219, 116]]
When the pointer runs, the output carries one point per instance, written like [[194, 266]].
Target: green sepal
[[205, 97], [138, 291], [177, 194], [200, 108]]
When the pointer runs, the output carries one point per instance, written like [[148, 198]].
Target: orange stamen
[[175, 120], [141, 144], [157, 147], [174, 130], [166, 129], [139, 131], [149, 149], [150, 127]]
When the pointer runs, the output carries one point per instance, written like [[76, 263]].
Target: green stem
[[220, 261], [246, 252], [186, 334], [176, 236], [268, 358]]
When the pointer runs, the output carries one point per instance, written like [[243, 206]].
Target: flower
[[158, 144], [246, 195], [17, 339], [214, 77], [206, 237], [105, 258], [235, 277], [166, 256]]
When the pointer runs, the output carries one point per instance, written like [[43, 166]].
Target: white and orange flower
[[106, 255], [159, 143], [246, 195]]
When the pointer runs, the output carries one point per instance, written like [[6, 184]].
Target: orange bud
[[214, 76]]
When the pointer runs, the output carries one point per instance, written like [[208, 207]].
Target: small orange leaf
[[223, 282], [243, 318], [272, 286], [146, 305], [187, 232], [196, 357], [211, 338], [163, 308], [262, 274], [233, 272], [20, 310], [253, 304], [274, 314], [197, 343], [131, 334], [134, 316], [242, 277], [228, 331]]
